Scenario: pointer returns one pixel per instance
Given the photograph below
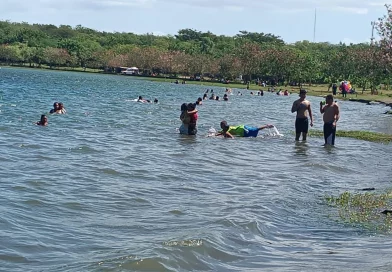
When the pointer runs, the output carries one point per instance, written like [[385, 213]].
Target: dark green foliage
[[191, 52]]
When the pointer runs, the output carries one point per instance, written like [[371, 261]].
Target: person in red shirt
[[192, 112]]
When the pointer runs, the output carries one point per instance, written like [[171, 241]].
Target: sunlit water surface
[[112, 186]]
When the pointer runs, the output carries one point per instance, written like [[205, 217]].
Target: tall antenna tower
[[314, 29], [373, 23]]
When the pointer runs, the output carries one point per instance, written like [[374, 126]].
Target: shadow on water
[[330, 149], [301, 148], [186, 139]]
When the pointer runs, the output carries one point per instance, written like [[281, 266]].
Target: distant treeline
[[193, 53]]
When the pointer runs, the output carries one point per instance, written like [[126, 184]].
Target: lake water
[[112, 186]]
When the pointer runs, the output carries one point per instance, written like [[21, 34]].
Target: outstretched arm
[[225, 134], [228, 135]]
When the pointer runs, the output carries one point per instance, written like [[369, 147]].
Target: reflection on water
[[112, 186], [186, 140], [301, 148]]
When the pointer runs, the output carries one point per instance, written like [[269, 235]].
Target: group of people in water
[[213, 96], [58, 108], [302, 107], [189, 116], [331, 114]]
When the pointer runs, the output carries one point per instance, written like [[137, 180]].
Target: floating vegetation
[[370, 210], [360, 135]]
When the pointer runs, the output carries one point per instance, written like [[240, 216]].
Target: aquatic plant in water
[[360, 135], [369, 210]]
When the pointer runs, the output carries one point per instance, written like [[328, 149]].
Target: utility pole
[[373, 23], [314, 29], [372, 64]]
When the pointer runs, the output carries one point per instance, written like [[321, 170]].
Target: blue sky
[[337, 20]]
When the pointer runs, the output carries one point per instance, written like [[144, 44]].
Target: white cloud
[[20, 6], [351, 6], [347, 6]]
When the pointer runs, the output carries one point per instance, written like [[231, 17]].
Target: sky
[[347, 21]]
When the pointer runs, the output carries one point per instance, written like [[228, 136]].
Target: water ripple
[[112, 186]]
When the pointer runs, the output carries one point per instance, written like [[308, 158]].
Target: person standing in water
[[188, 119], [331, 115], [192, 112], [302, 106]]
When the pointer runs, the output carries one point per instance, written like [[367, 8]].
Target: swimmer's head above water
[[224, 125], [184, 106], [191, 106]]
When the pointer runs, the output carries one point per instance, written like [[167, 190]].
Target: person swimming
[[61, 109], [240, 131], [43, 121], [55, 107], [140, 99]]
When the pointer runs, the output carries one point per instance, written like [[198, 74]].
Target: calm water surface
[[112, 186]]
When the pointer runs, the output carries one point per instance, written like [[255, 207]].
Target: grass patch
[[360, 135], [368, 210], [384, 96]]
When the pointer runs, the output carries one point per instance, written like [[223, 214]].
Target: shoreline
[[312, 90]]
